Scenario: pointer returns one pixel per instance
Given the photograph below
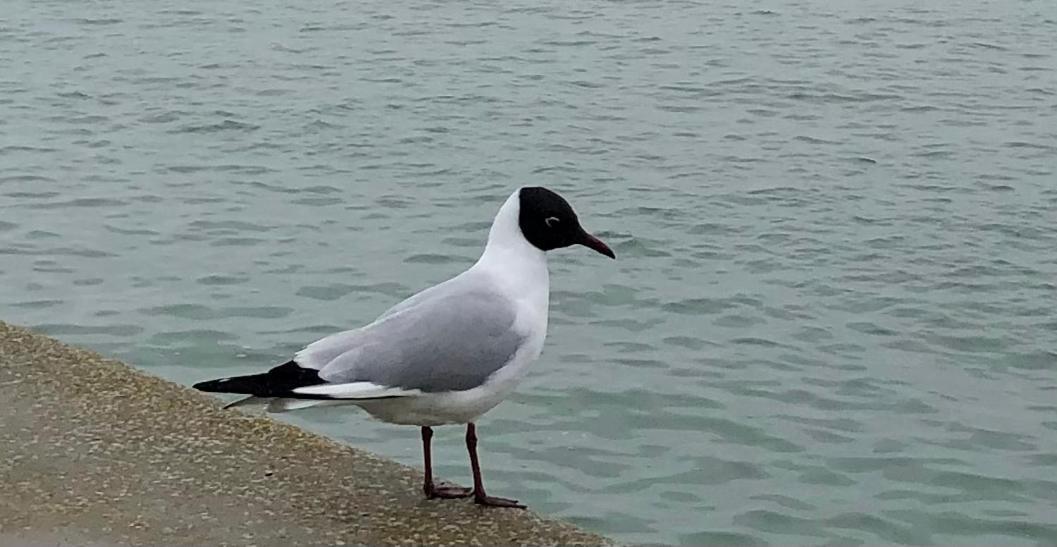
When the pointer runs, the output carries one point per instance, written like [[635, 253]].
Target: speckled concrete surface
[[96, 453]]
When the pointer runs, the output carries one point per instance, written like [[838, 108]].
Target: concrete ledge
[[93, 452]]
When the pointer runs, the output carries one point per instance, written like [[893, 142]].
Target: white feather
[[356, 390]]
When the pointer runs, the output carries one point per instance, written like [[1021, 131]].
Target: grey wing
[[317, 354], [449, 286], [449, 342], [321, 352]]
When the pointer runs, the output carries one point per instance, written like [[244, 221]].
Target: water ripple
[[831, 319]]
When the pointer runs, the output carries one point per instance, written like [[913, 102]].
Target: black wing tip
[[212, 386], [277, 382]]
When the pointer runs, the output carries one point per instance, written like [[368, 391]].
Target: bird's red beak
[[598, 245]]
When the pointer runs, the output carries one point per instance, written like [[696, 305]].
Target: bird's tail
[[281, 389]]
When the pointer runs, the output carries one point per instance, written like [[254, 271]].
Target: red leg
[[431, 490], [479, 495]]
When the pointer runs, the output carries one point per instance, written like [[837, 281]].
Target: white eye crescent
[[551, 221]]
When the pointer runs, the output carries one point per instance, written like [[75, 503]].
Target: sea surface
[[834, 314]]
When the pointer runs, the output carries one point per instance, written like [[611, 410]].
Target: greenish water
[[832, 318]]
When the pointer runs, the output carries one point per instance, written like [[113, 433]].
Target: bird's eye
[[551, 221]]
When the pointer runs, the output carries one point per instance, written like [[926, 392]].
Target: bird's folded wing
[[450, 342], [321, 352]]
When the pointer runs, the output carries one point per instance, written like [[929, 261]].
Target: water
[[832, 317]]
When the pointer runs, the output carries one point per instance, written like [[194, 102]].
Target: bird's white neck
[[519, 266]]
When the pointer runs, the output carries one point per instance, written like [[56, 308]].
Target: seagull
[[447, 354]]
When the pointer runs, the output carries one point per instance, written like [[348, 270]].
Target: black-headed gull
[[447, 354]]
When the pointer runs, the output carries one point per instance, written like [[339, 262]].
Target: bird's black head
[[548, 222]]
